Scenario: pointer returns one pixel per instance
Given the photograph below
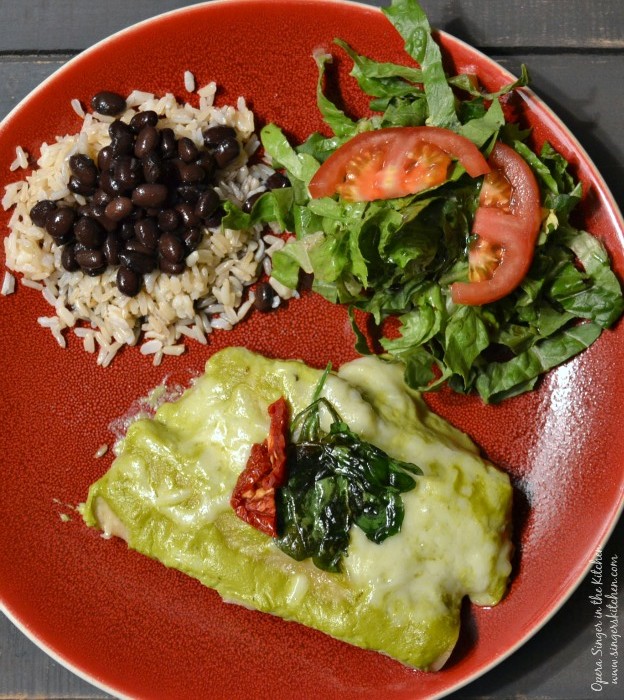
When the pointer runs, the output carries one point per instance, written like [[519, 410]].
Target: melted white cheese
[[179, 471]]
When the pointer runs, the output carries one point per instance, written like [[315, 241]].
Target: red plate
[[134, 627]]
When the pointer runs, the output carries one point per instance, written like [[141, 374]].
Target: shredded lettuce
[[397, 258]]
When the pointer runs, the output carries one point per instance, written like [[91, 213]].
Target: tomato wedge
[[253, 498], [394, 162], [506, 224]]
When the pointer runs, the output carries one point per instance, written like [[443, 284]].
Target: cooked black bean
[[192, 238], [187, 214], [89, 232], [119, 128], [276, 181], [59, 223], [226, 152], [147, 232], [168, 145], [123, 145], [99, 214], [78, 246], [105, 158], [170, 174], [40, 211], [214, 219], [111, 186], [126, 230], [190, 173], [250, 201], [139, 213], [150, 195], [139, 262], [111, 248], [68, 258], [101, 198], [187, 150], [128, 281], [127, 172], [78, 187], [207, 162], [207, 203], [91, 261], [147, 198], [216, 134], [146, 141], [108, 103], [137, 247], [141, 119], [171, 268], [168, 220], [188, 193], [152, 167], [171, 247], [83, 168], [264, 297], [118, 208]]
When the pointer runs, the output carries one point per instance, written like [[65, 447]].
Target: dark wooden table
[[575, 52]]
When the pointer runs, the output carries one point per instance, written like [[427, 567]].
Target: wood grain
[[72, 25], [575, 53]]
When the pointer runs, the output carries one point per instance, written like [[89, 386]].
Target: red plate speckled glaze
[[137, 629]]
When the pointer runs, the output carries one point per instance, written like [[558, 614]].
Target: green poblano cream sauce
[[167, 494]]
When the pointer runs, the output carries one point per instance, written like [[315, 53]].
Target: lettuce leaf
[[397, 258]]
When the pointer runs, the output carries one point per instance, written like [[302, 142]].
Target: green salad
[[400, 254]]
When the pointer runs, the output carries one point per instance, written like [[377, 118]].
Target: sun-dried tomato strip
[[253, 498], [276, 441]]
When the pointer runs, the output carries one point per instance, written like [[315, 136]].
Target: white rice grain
[[8, 284], [33, 284], [101, 451], [150, 347], [137, 98], [77, 107], [65, 315], [175, 350], [244, 308], [189, 81], [21, 159], [221, 324], [89, 343]]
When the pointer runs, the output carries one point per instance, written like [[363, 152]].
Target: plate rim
[[529, 96]]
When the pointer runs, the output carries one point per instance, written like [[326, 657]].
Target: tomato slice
[[253, 498], [485, 256], [506, 224], [496, 191], [394, 162]]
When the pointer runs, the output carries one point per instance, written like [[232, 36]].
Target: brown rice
[[212, 293]]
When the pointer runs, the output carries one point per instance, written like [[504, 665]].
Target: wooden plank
[[595, 24], [568, 24], [583, 90], [24, 667], [18, 76]]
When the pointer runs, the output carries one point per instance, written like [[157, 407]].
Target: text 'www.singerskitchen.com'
[[603, 578]]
